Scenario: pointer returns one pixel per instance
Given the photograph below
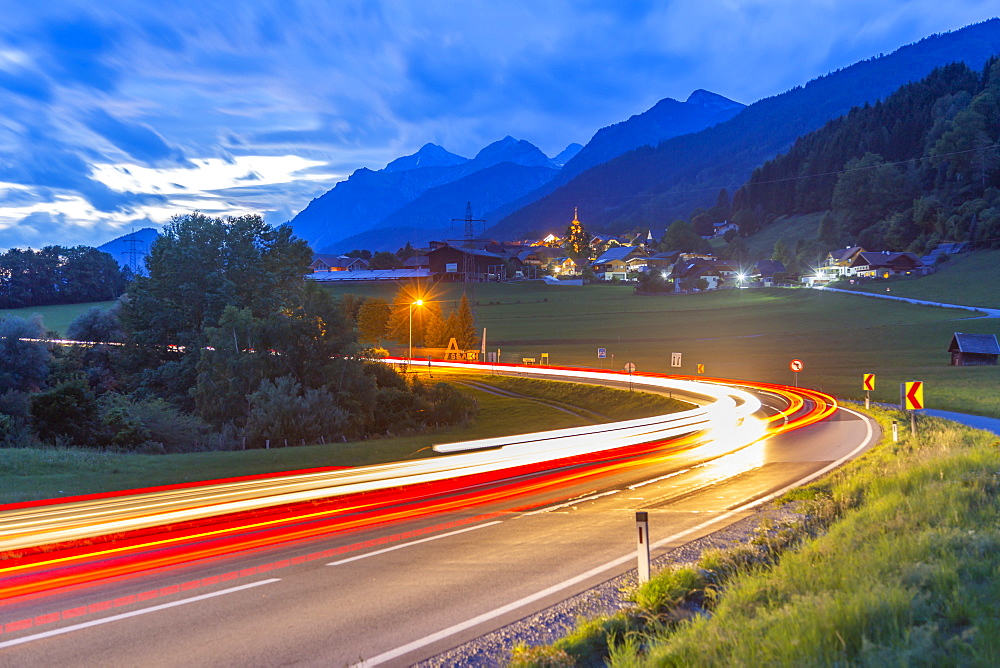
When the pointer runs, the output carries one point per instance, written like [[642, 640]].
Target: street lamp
[[419, 302]]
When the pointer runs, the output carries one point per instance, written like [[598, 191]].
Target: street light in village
[[419, 302]]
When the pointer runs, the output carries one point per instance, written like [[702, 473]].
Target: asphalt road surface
[[399, 593]]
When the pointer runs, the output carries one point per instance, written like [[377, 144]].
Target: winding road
[[390, 565]]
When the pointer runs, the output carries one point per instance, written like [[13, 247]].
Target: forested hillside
[[919, 168], [651, 186]]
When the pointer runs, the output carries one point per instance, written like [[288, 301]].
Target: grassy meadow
[[56, 318], [742, 334], [972, 279]]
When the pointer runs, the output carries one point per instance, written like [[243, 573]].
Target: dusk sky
[[122, 113]]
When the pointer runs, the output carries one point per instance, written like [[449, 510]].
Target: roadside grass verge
[[894, 560], [28, 474], [604, 403]]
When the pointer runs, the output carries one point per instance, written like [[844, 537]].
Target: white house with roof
[[613, 263]]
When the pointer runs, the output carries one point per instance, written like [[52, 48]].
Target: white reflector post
[[642, 526]]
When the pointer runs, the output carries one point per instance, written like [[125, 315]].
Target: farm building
[[973, 349]]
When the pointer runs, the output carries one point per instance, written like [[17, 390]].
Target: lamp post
[[409, 359]]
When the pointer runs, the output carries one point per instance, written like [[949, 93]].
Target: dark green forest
[[222, 345], [920, 168], [57, 275]]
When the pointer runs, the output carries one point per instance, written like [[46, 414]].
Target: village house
[[764, 271], [884, 264], [337, 263], [838, 262], [564, 266], [720, 229], [687, 273], [471, 262], [613, 263]]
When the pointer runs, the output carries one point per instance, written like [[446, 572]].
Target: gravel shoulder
[[552, 623]]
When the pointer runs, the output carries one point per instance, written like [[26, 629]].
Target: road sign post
[[629, 367], [675, 360], [602, 354], [912, 399], [796, 366], [868, 385], [642, 525], [700, 368]]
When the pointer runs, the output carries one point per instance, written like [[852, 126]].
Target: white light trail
[[725, 419]]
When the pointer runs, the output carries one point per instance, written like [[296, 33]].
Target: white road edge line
[[134, 613], [514, 605], [412, 542]]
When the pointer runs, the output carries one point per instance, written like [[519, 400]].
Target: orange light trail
[[173, 525]]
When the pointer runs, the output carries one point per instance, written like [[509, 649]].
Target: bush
[[24, 365], [176, 430], [69, 411], [450, 406], [96, 324], [281, 409]]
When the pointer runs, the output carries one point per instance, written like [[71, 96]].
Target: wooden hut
[[973, 349]]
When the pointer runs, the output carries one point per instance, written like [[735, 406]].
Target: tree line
[[906, 173], [58, 275], [222, 344]]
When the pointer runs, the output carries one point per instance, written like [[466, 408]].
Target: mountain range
[[415, 198], [653, 185]]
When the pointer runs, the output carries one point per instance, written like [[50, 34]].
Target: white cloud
[[209, 174]]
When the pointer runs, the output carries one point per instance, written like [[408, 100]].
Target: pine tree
[[462, 325]]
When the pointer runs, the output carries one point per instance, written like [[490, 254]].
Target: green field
[[56, 318], [745, 334], [971, 279]]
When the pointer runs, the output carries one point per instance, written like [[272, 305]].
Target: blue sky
[[122, 113]]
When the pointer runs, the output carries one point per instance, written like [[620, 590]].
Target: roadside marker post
[[642, 524], [630, 367], [895, 431], [912, 399], [868, 385]]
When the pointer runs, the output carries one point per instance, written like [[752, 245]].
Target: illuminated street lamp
[[419, 302]]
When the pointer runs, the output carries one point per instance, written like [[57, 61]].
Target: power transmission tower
[[134, 252], [468, 262]]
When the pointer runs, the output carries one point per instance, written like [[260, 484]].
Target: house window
[[451, 267]]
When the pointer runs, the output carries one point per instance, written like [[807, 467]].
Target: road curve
[[517, 544]]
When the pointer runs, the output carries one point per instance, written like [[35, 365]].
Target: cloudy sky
[[122, 113]]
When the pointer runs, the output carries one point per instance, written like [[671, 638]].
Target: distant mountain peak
[[705, 98], [567, 154], [508, 149], [429, 155]]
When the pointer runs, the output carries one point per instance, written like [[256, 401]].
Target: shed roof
[[982, 344]]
